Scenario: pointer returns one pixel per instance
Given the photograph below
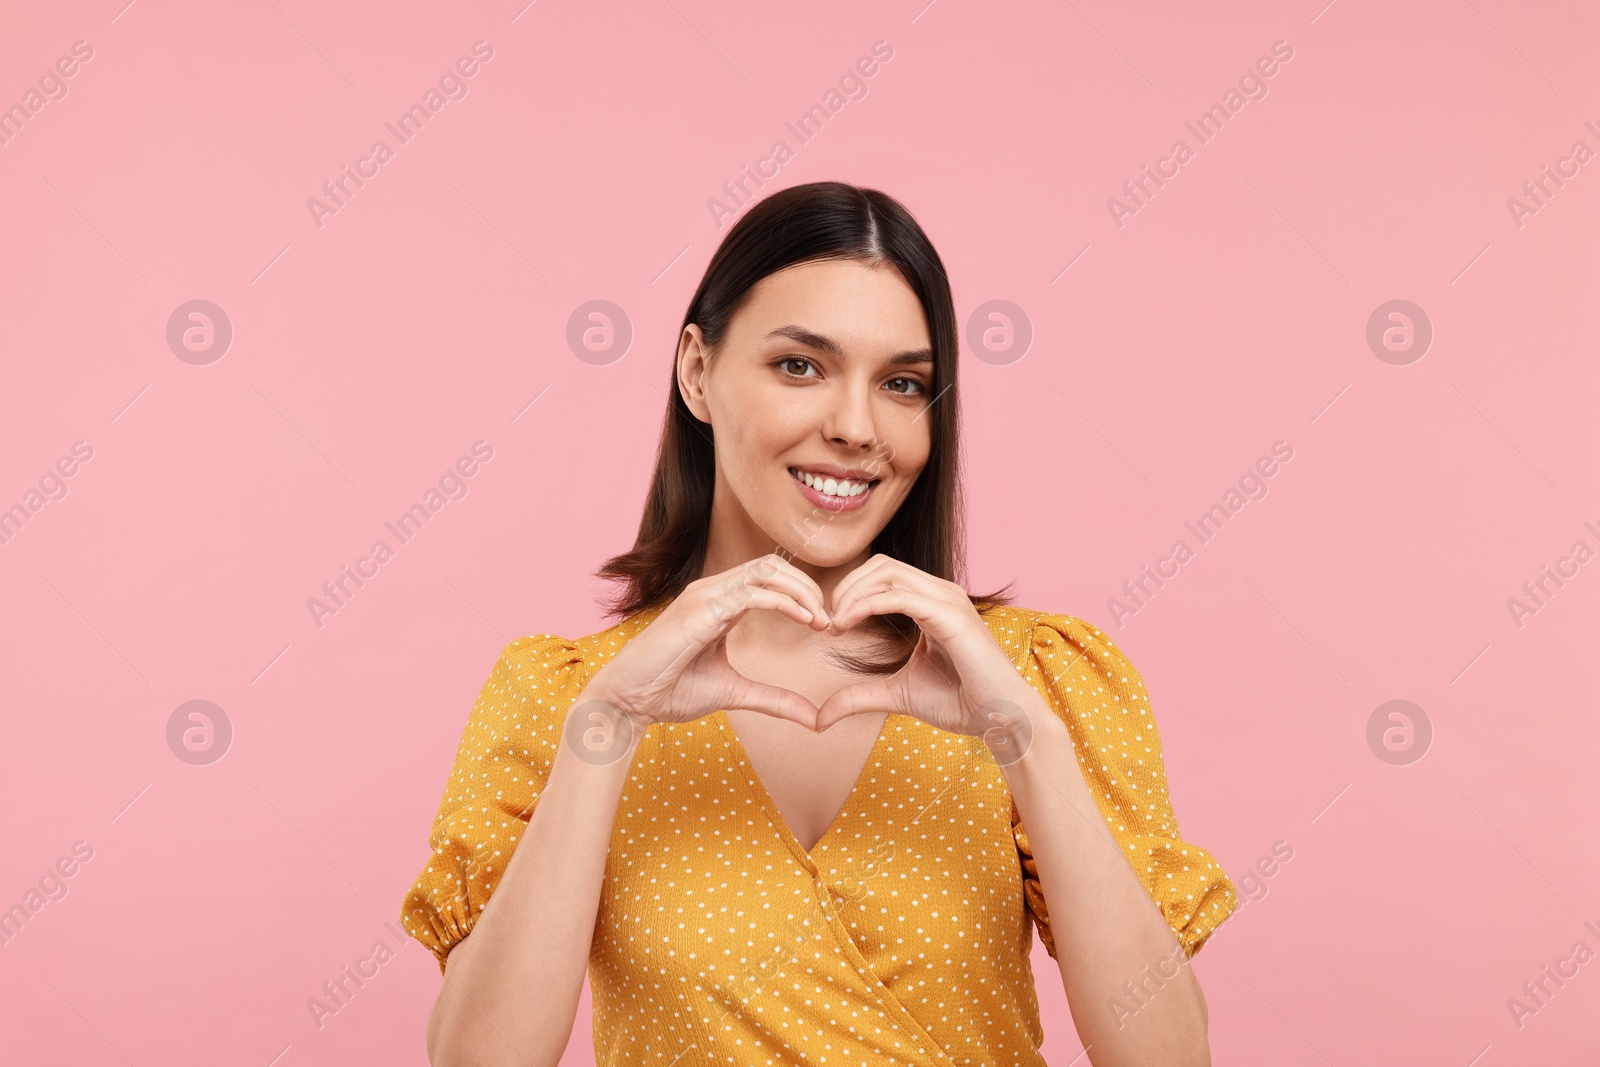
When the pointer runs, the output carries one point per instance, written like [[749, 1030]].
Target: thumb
[[773, 700], [875, 694]]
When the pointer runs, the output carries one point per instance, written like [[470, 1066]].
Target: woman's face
[[818, 400]]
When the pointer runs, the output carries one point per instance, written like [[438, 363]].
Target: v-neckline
[[759, 789], [809, 856]]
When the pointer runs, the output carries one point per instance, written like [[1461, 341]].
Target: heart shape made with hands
[[766, 696], [957, 678]]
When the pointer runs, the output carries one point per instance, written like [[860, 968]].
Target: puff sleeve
[[1090, 684], [504, 759]]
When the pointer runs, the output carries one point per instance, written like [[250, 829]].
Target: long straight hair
[[805, 223]]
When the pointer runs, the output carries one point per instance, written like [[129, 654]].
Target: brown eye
[[788, 364], [913, 386]]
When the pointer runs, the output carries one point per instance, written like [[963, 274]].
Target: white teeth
[[831, 486]]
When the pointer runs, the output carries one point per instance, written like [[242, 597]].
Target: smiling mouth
[[835, 494], [843, 488]]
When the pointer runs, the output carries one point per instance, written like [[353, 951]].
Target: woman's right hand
[[676, 669]]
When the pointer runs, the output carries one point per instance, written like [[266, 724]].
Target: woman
[[778, 811]]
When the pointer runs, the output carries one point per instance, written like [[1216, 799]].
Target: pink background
[[1229, 313]]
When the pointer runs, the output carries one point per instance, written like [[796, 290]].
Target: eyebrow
[[827, 344]]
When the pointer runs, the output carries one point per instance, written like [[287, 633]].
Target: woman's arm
[[512, 984], [511, 987], [1113, 945], [1113, 941]]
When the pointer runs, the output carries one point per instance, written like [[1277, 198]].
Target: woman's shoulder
[[1023, 631], [546, 655]]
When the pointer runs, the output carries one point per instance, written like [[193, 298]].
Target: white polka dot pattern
[[1101, 697], [903, 936]]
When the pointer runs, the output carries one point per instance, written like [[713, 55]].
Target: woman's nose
[[849, 418]]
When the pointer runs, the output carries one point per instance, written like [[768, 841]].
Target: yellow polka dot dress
[[903, 937]]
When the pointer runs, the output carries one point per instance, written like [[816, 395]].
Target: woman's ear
[[693, 360]]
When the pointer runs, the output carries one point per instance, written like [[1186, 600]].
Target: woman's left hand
[[958, 678]]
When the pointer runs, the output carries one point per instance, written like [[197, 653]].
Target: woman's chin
[[834, 552]]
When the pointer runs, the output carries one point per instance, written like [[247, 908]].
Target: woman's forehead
[[835, 306]]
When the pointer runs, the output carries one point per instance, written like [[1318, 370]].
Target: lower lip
[[833, 503]]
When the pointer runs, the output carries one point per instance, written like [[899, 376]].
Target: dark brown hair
[[804, 223]]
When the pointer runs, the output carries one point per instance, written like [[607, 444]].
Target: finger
[[886, 599], [882, 571], [852, 586], [771, 571], [886, 590], [774, 700], [729, 610], [855, 577], [875, 694], [799, 585]]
